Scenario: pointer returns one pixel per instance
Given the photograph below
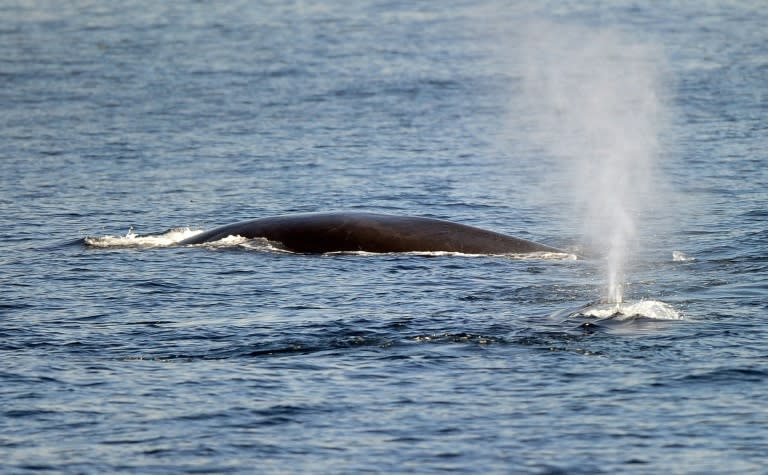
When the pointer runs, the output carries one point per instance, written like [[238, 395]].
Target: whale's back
[[371, 232]]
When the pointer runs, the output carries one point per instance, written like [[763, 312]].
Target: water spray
[[593, 96], [591, 101]]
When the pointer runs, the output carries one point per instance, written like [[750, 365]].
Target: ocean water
[[123, 120]]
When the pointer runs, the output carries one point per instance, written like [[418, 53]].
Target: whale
[[319, 233]]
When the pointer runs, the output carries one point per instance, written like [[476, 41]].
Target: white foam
[[229, 241], [131, 239], [555, 256], [530, 255], [257, 244], [650, 309], [680, 256]]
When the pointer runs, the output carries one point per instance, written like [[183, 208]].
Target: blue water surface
[[154, 115]]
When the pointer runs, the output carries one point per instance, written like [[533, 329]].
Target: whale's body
[[371, 232]]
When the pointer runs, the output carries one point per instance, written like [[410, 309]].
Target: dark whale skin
[[316, 233]]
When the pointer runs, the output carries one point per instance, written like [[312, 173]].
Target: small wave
[[167, 238], [728, 375]]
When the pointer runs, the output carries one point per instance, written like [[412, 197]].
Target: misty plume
[[592, 99]]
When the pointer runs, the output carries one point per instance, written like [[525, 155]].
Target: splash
[[594, 101], [647, 309], [131, 239], [174, 236], [626, 317]]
